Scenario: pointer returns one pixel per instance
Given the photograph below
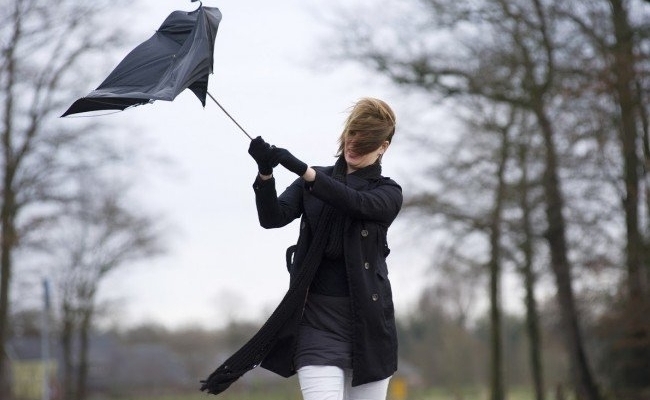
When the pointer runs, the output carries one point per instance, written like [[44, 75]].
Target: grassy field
[[294, 394]]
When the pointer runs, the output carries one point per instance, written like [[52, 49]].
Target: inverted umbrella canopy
[[177, 57]]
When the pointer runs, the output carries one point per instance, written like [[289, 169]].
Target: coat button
[[366, 265], [375, 297], [364, 233], [302, 226]]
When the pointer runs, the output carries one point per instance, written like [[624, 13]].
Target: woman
[[343, 341]]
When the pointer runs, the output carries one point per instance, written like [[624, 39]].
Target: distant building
[[28, 370], [113, 367]]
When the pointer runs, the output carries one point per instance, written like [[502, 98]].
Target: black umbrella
[[178, 56]]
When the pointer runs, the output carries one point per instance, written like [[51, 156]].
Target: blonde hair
[[371, 122]]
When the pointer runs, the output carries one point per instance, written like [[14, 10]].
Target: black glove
[[261, 152], [282, 156]]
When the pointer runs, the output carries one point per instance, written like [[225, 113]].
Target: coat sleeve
[[274, 211], [381, 202]]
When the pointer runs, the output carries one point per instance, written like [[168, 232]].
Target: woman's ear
[[384, 146]]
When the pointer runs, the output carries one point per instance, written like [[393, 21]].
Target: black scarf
[[334, 246], [328, 234]]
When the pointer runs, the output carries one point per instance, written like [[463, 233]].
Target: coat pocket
[[386, 293]]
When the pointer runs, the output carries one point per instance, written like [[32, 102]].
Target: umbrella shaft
[[229, 116]]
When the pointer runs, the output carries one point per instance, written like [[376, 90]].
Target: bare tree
[[623, 66], [44, 47], [488, 181], [527, 248], [496, 259], [506, 53], [98, 234], [616, 31]]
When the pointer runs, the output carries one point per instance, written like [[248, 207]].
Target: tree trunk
[[7, 213], [583, 381], [496, 370], [67, 336], [624, 74], [6, 244], [645, 131], [532, 315], [634, 347], [84, 346], [496, 349]]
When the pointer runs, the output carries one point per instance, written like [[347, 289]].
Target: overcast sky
[[221, 264]]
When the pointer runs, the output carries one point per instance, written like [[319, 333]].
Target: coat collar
[[357, 182], [360, 178]]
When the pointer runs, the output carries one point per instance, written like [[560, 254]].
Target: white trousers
[[333, 383]]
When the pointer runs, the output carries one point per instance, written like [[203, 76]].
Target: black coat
[[370, 206]]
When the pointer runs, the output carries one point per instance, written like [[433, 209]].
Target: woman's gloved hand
[[261, 153], [288, 160]]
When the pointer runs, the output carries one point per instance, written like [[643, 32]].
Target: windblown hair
[[370, 122]]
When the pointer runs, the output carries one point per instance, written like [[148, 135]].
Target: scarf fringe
[[253, 352]]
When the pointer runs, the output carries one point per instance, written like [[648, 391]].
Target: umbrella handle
[[229, 116]]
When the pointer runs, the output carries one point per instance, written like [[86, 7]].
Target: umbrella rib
[[229, 116]]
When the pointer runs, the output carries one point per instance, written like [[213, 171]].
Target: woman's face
[[357, 161]]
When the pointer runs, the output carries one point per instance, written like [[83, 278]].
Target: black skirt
[[325, 333]]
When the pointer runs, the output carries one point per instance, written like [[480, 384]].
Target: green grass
[[293, 393], [512, 393], [225, 396], [230, 394]]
